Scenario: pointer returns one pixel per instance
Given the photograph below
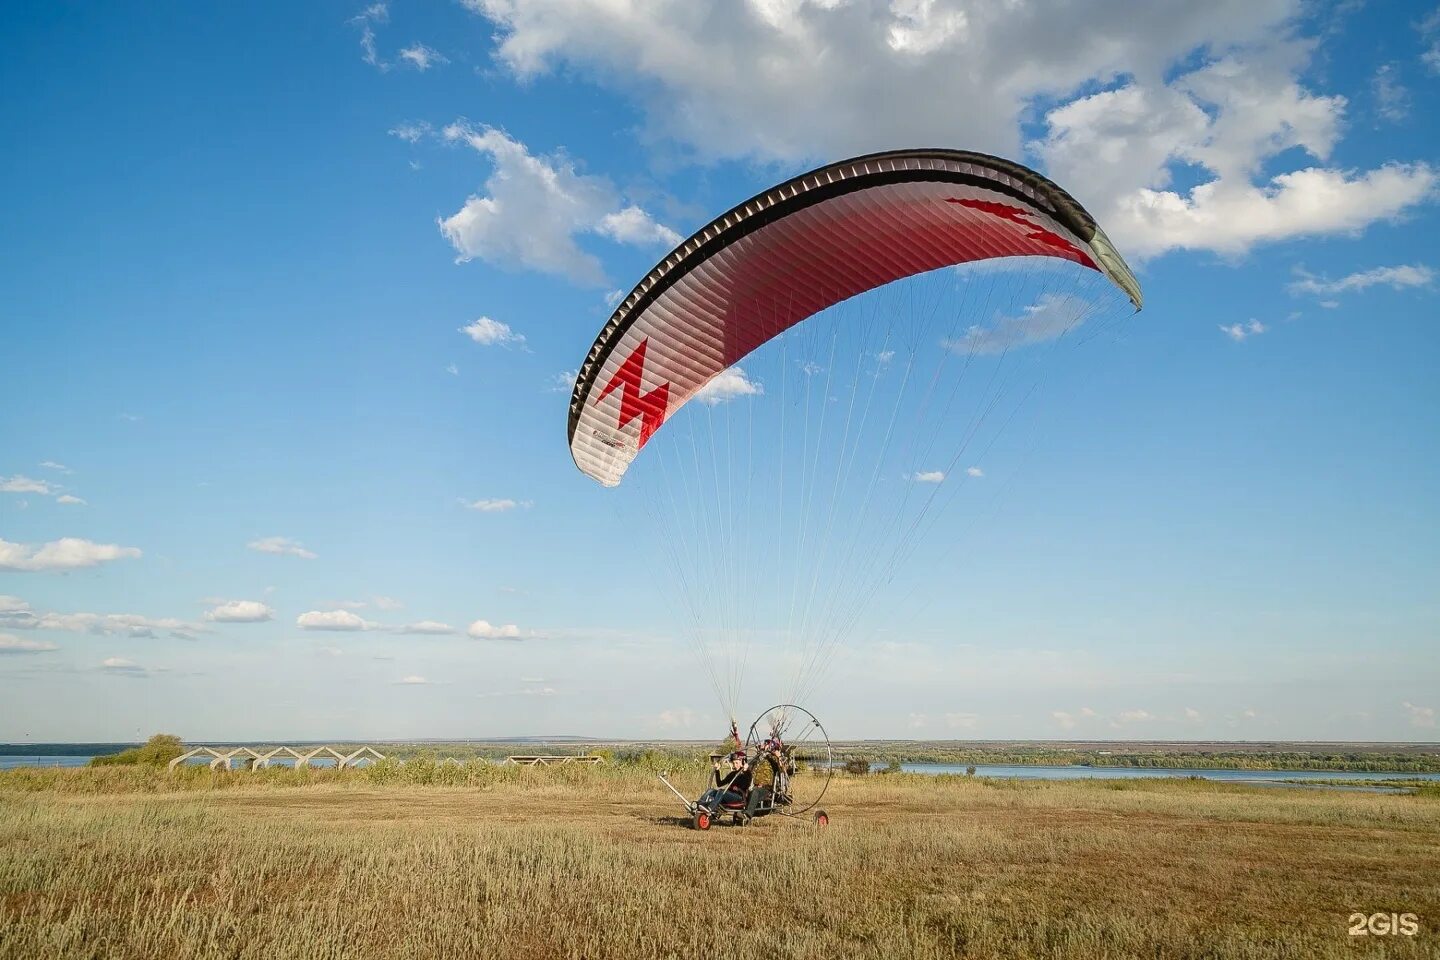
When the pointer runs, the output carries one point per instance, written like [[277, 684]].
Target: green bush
[[158, 751]]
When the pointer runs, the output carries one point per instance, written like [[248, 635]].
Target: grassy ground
[[595, 864]]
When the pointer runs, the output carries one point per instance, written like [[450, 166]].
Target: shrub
[[158, 751]]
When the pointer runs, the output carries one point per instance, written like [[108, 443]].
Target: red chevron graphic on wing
[[1022, 217], [649, 407]]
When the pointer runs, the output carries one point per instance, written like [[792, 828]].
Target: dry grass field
[[596, 864]]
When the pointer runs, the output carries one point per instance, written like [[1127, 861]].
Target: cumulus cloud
[[57, 467], [16, 614], [9, 643], [342, 620], [536, 208], [490, 333], [1396, 278], [1119, 148], [799, 81], [728, 384], [421, 57], [1134, 716], [974, 472], [1064, 719], [1053, 315], [240, 611], [495, 505], [70, 500], [634, 226], [281, 546], [67, 553], [1243, 331], [432, 627], [1161, 87], [929, 476], [485, 630], [121, 665], [412, 681]]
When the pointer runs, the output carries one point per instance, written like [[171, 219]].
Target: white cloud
[[634, 226], [366, 20], [1419, 716], [1243, 331], [1049, 317], [131, 417], [974, 472], [411, 132], [1430, 32], [453, 370], [485, 630], [729, 384], [422, 58], [916, 721], [412, 681], [16, 614], [331, 620], [281, 546], [929, 476], [57, 467], [613, 298], [495, 505], [1192, 714], [795, 80], [726, 82], [1392, 100], [388, 603], [535, 209], [1064, 719], [1134, 716], [22, 484], [240, 611], [490, 333], [562, 382], [432, 627], [1397, 278], [67, 553], [9, 643], [121, 665]]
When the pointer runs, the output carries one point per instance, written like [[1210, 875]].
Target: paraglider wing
[[796, 249]]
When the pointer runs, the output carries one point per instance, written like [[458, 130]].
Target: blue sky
[[244, 247]]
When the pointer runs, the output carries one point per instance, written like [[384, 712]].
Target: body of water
[[10, 762], [1067, 772]]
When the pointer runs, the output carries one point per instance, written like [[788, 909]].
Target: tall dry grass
[[593, 863]]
